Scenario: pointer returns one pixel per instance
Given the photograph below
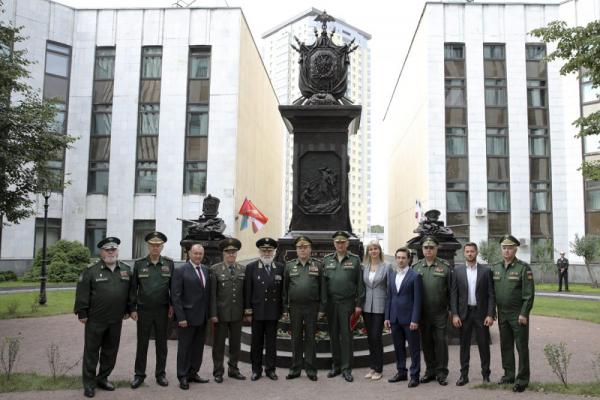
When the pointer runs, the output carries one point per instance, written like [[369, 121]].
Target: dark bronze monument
[[431, 226], [321, 120]]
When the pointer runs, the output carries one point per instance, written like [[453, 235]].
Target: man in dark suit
[[562, 264], [473, 306], [403, 315], [263, 302], [190, 297]]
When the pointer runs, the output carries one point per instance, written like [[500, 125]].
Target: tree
[[489, 251], [27, 139], [66, 261], [588, 247], [579, 46], [543, 254], [377, 229]]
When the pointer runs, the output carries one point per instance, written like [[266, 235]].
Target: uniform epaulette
[[353, 255], [330, 254], [446, 263], [167, 258], [295, 260], [124, 263]]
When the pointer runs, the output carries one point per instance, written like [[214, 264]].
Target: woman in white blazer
[[375, 272]]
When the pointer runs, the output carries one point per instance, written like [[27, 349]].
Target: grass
[[573, 288], [23, 305], [20, 283], [586, 310], [580, 388], [30, 381]]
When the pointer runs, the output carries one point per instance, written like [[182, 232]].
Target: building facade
[[281, 61], [487, 123], [168, 105]]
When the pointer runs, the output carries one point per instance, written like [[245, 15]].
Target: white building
[[167, 105], [281, 61], [487, 125]]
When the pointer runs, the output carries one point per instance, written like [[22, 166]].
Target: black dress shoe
[[106, 385], [333, 373], [89, 392], [183, 384], [427, 378], [196, 378], [312, 377], [162, 381], [442, 381], [347, 376], [397, 378], [137, 382], [292, 376], [505, 381], [518, 388], [486, 379], [413, 383], [236, 375], [462, 381], [271, 375], [255, 376], [219, 378]]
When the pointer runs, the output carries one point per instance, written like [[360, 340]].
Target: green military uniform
[[345, 291], [227, 304], [150, 298], [304, 294], [514, 296], [102, 296], [437, 282]]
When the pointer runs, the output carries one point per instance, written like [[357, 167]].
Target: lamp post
[[46, 193]]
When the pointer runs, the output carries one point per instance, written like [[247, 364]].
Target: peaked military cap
[[509, 240], [155, 238], [110, 242], [341, 236], [429, 241], [302, 241], [230, 244], [266, 243]]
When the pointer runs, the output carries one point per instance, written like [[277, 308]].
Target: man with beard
[[263, 283], [101, 304]]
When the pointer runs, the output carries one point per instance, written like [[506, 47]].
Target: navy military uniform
[[437, 283], [513, 284], [150, 298], [345, 291], [263, 302], [562, 265], [304, 298], [102, 302], [227, 304]]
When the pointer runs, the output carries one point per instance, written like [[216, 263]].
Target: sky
[[391, 24]]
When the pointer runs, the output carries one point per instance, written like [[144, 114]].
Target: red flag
[[258, 219]]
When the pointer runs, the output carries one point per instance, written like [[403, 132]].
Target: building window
[[56, 88], [52, 233], [540, 178], [140, 229], [196, 134], [101, 126], [95, 230], [148, 121], [457, 164]]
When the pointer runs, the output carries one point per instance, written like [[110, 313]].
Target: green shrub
[[65, 262], [6, 276]]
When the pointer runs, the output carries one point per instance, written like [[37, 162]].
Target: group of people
[[416, 302]]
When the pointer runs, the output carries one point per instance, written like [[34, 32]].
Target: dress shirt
[[472, 283], [400, 274]]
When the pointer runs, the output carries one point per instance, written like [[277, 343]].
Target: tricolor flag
[[250, 213], [418, 210]]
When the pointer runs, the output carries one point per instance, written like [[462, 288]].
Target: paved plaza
[[582, 338]]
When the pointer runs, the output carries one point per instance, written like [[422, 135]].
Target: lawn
[[586, 310], [28, 381], [21, 283], [573, 288], [22, 305]]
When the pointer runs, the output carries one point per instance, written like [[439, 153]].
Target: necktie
[[268, 268], [232, 269], [201, 276]]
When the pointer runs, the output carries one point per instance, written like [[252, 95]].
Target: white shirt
[[400, 274], [472, 283], [372, 276]]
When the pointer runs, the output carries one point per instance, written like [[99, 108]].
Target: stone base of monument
[[322, 245]]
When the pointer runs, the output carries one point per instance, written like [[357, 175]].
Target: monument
[[321, 121], [431, 226]]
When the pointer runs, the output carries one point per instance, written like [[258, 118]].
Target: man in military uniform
[[304, 297], [437, 283], [150, 295], [513, 283], [562, 264], [227, 309], [345, 294], [262, 292], [101, 304]]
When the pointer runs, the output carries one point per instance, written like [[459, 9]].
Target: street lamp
[[46, 193]]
